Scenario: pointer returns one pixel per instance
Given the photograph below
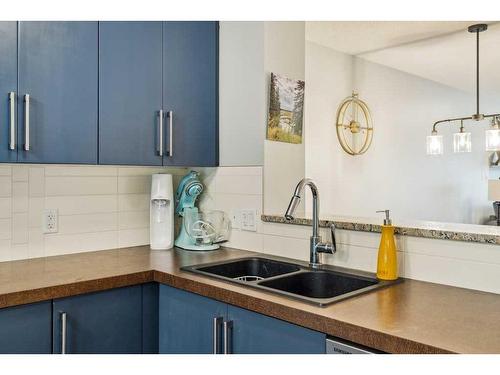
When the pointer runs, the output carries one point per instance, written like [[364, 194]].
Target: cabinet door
[[254, 333], [150, 318], [8, 84], [104, 322], [130, 92], [58, 70], [190, 91], [26, 329], [187, 322]]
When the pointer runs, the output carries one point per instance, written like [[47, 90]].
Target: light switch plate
[[236, 219], [50, 220], [248, 220]]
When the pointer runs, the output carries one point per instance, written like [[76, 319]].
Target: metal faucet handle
[[334, 241], [328, 247]]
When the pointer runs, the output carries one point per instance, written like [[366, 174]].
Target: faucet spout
[[316, 246]]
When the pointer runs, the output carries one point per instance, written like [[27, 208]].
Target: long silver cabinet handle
[[12, 120], [63, 332], [228, 333], [26, 122], [216, 334], [160, 132], [170, 133]]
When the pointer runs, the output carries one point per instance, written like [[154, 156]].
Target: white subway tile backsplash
[[133, 237], [61, 186], [239, 185], [86, 223], [19, 251], [456, 272], [287, 247], [245, 240], [20, 197], [142, 171], [134, 184], [5, 170], [19, 228], [239, 171], [452, 249], [36, 243], [133, 202], [5, 186], [133, 219], [35, 212], [4, 250], [80, 171], [20, 173], [36, 182], [56, 244], [83, 204], [5, 229], [91, 212], [5, 208]]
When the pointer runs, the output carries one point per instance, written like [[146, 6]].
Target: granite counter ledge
[[427, 229]]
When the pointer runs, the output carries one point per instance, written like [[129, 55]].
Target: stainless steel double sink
[[320, 286]]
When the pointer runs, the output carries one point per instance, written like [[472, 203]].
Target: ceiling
[[440, 51]]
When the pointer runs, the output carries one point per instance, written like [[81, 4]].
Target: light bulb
[[434, 144], [462, 142], [493, 136]]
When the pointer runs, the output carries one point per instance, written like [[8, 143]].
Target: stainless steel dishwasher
[[337, 346]]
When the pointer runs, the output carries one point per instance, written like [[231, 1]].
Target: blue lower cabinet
[[26, 329], [188, 325], [150, 320], [253, 333], [187, 322], [104, 322]]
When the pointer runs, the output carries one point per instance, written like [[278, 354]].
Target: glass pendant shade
[[493, 139], [434, 144], [462, 142]]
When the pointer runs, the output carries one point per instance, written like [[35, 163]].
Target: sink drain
[[248, 278]]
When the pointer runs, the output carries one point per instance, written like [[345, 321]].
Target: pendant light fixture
[[462, 140]]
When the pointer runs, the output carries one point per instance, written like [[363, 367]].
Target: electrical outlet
[[50, 220], [248, 221], [236, 219]]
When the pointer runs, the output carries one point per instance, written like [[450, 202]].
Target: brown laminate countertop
[[410, 317]]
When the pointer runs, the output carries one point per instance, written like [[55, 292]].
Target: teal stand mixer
[[199, 231]]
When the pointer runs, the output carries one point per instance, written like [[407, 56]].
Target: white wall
[[395, 173], [242, 97], [284, 162], [249, 52]]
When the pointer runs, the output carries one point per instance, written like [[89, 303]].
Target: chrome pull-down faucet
[[316, 246]]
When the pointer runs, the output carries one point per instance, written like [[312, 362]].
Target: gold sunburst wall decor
[[354, 125]]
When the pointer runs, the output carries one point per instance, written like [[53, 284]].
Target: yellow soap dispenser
[[387, 263]]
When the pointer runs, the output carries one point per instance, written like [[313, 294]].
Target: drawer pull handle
[[63, 333], [12, 114]]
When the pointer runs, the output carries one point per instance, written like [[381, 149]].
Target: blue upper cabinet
[[57, 106], [107, 322], [130, 92], [190, 93], [253, 333], [126, 93], [8, 91], [26, 329]]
